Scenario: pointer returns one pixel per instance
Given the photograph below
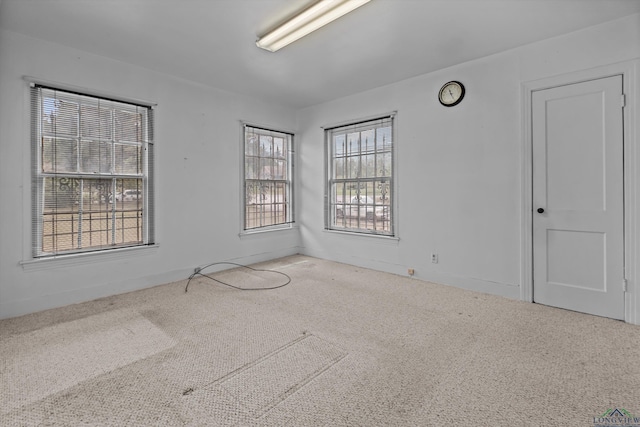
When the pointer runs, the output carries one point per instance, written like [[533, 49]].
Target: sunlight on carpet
[[46, 361]]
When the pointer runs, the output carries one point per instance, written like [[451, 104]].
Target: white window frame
[[39, 175], [380, 192], [248, 198]]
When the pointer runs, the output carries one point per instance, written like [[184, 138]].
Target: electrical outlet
[[434, 258]]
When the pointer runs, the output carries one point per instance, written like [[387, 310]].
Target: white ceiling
[[213, 41]]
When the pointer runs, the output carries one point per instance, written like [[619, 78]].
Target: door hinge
[[624, 285], [623, 98]]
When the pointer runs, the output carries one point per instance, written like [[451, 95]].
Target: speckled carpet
[[338, 346]]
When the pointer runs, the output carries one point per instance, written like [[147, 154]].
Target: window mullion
[[78, 137], [114, 189], [80, 212]]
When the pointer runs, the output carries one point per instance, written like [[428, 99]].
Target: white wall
[[197, 187], [459, 169]]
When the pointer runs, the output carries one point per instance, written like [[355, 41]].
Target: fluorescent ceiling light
[[318, 15]]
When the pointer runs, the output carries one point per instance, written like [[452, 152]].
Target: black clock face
[[451, 94]]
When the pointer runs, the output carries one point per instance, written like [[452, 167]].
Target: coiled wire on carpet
[[198, 272]]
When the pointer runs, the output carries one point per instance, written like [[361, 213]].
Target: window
[[92, 173], [360, 177], [268, 182]]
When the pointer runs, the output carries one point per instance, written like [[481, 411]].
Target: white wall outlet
[[434, 258]]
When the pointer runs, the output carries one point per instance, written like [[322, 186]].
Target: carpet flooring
[[338, 346]]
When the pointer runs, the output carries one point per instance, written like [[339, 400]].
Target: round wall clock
[[451, 93]]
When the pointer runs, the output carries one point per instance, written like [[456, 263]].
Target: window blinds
[[92, 172]]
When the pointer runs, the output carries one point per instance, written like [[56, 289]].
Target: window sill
[[260, 231], [86, 258], [392, 240]]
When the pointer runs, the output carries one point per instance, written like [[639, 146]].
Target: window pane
[[369, 166], [383, 138], [251, 168], [266, 204], [368, 141], [95, 157], [279, 169], [128, 126], [59, 117], [338, 168], [353, 167], [384, 165], [279, 149], [59, 155], [266, 168], [128, 159], [126, 215], [61, 193], [340, 145], [83, 214], [383, 192], [353, 146], [251, 144], [96, 122], [361, 207], [60, 220], [266, 146], [252, 193]]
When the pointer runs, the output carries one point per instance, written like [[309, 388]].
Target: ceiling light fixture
[[318, 15]]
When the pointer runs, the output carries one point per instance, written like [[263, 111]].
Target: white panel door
[[578, 202]]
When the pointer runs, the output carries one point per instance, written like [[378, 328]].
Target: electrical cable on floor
[[198, 272]]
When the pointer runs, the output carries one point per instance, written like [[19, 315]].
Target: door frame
[[631, 152]]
